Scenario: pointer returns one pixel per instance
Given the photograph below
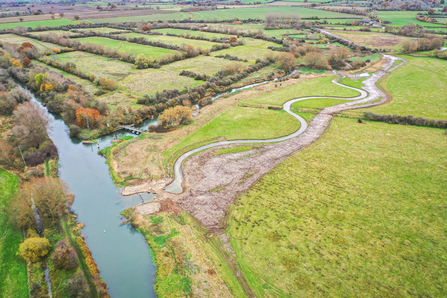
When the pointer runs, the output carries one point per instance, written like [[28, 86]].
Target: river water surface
[[122, 254]]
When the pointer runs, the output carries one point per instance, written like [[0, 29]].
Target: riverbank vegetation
[[190, 260], [320, 227]]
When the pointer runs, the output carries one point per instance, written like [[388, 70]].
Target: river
[[122, 254]]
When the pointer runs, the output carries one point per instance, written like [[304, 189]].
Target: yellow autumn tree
[[16, 63], [33, 249]]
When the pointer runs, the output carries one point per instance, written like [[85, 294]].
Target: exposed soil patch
[[233, 174]]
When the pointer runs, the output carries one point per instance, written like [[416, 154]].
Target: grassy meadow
[[350, 215], [127, 47], [190, 33], [13, 272], [260, 12], [318, 87], [251, 50], [34, 24], [101, 67], [178, 41], [401, 18], [201, 64], [40, 45], [418, 88]]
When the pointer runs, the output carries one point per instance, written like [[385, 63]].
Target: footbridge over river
[[132, 129]]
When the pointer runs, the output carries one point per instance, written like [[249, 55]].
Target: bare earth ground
[[128, 162], [232, 174]]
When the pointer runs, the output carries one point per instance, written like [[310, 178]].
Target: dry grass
[[201, 64], [374, 40], [15, 39]]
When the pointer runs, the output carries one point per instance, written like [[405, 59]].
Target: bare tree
[[30, 125]]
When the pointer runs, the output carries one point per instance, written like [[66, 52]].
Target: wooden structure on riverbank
[[132, 129]]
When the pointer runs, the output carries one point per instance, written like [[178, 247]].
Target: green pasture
[[191, 33], [260, 12], [178, 41], [401, 18], [240, 123], [418, 88], [316, 87], [361, 211], [127, 47], [13, 272], [146, 18], [34, 24]]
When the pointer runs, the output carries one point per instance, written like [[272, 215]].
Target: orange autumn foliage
[[88, 116]]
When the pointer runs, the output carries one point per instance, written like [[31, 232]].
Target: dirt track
[[232, 174]]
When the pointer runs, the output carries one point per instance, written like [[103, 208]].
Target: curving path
[[212, 182], [176, 185]]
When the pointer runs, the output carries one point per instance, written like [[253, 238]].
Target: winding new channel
[[176, 185], [122, 254]]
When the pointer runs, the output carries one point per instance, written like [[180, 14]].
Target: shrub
[[286, 61], [64, 256], [146, 28], [175, 116], [316, 60], [26, 62], [77, 287], [110, 85], [74, 130], [87, 117], [33, 249]]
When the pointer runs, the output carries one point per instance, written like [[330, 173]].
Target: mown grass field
[[318, 87], [34, 24], [127, 47], [318, 103], [361, 211], [13, 272], [175, 40], [15, 39], [418, 88]]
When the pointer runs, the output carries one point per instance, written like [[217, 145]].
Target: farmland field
[[190, 32], [174, 40], [311, 227], [146, 18], [149, 81], [374, 40], [34, 24], [246, 13], [201, 64], [97, 65], [401, 18], [408, 86], [127, 47], [15, 39], [251, 50]]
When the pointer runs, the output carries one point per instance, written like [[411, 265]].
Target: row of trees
[[422, 44]]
